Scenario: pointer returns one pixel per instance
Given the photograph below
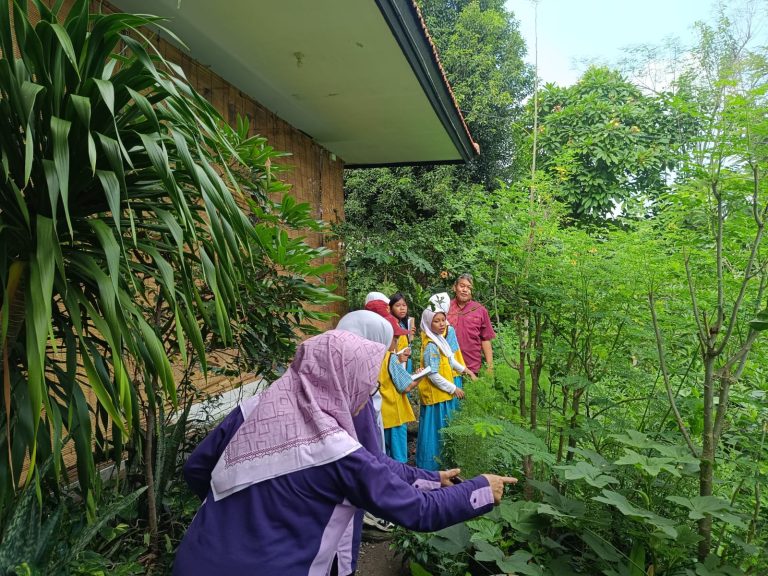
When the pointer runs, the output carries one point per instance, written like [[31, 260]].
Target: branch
[[742, 290], [740, 357], [665, 374], [694, 303], [719, 266]]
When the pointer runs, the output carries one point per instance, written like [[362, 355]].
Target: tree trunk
[[522, 328], [537, 365], [574, 424], [149, 476], [706, 472], [561, 440]]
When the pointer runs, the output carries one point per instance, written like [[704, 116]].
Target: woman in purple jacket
[[282, 475]]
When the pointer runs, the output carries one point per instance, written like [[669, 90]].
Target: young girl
[[395, 382], [399, 309], [437, 390], [441, 302]]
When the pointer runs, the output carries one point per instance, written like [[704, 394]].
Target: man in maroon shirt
[[472, 323]]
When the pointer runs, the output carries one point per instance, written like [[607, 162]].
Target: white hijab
[[376, 296], [441, 303], [438, 339], [368, 325]]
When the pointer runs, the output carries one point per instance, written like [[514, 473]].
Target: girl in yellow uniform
[[394, 382], [441, 302], [437, 390], [396, 409]]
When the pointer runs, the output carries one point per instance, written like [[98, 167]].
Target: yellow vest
[[431, 394], [395, 407], [460, 358]]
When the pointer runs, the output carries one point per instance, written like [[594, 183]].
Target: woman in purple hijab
[[282, 475]]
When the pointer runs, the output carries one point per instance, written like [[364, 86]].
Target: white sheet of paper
[[420, 373]]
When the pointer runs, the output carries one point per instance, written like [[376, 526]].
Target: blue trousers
[[396, 441]]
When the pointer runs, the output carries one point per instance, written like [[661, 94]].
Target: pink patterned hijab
[[304, 418]]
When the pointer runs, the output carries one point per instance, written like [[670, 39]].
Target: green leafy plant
[[52, 538]]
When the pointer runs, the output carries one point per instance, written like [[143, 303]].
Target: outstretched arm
[[369, 484]]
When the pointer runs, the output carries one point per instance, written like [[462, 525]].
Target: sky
[[598, 30]]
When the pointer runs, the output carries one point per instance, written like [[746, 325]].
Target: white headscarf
[[376, 296], [368, 325], [440, 302], [438, 339]]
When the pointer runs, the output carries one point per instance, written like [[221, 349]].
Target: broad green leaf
[[637, 559], [111, 186], [82, 106], [451, 540], [111, 149], [700, 506], [487, 552], [519, 514], [38, 301], [590, 474], [111, 250], [29, 92], [99, 387], [635, 512], [107, 91], [652, 466], [635, 439], [159, 359], [600, 546], [519, 563], [66, 46]]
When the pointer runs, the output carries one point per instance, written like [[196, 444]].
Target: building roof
[[361, 77]]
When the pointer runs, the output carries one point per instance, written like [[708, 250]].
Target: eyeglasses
[[375, 390]]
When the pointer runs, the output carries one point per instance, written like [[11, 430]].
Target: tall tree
[[611, 146], [721, 215], [482, 51]]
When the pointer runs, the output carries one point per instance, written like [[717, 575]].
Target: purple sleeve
[[422, 479], [486, 329], [371, 485], [200, 464]]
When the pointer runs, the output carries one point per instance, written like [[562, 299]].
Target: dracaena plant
[[129, 224]]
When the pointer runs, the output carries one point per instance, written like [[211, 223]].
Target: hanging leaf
[[760, 322]]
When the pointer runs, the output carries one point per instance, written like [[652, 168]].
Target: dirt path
[[376, 559]]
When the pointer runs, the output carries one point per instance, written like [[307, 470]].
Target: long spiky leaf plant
[[121, 202]]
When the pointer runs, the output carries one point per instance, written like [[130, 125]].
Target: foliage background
[[615, 231]]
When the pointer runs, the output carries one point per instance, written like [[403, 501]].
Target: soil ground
[[376, 559]]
